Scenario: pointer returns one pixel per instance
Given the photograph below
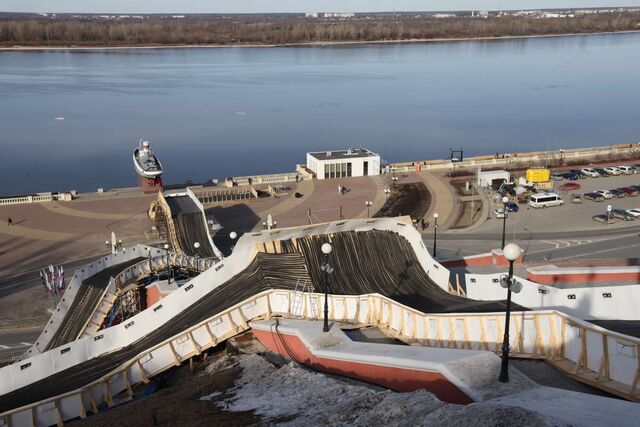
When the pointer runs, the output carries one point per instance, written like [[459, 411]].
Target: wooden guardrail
[[604, 359]]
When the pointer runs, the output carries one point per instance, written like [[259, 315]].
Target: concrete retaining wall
[[522, 160]]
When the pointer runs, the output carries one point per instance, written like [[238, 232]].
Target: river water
[[212, 113]]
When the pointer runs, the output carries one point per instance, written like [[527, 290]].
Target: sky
[[264, 6]]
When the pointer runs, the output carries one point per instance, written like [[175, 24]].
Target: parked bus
[[542, 200]]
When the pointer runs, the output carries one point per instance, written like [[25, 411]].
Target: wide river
[[212, 113]]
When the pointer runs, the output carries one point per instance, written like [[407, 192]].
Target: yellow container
[[538, 175]]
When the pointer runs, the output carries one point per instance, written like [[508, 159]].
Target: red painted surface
[[559, 277], [394, 378], [154, 295], [495, 258], [469, 261], [150, 185]]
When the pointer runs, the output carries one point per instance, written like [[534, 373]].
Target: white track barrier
[[589, 302]]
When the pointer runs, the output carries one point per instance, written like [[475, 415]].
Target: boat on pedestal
[[148, 168]]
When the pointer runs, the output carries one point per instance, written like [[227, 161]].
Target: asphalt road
[[554, 246], [28, 279], [17, 340]]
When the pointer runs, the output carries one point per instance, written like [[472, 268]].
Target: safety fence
[[591, 354], [226, 195]]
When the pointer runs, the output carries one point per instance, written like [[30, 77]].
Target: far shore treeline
[[246, 29]]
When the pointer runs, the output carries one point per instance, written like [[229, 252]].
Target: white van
[[627, 170], [542, 200]]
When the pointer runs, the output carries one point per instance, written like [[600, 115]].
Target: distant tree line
[[43, 32]]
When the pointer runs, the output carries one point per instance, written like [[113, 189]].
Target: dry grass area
[[177, 401]]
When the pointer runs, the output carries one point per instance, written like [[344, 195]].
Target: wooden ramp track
[[378, 261], [564, 341], [365, 262]]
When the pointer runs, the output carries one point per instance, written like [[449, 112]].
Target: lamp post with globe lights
[[326, 267], [435, 232], [511, 253], [505, 200]]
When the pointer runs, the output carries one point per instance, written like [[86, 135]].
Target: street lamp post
[[511, 253], [233, 236], [435, 232], [196, 245], [326, 250], [166, 257], [387, 191], [505, 200], [368, 204]]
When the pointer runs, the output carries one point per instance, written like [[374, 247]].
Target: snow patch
[[211, 396], [305, 397]]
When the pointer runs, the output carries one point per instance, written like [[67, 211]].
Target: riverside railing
[[604, 359]]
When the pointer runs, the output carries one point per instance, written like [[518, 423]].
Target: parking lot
[[570, 216]]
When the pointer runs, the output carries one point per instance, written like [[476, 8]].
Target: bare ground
[[411, 199]]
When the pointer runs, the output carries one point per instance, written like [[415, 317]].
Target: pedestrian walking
[[9, 221], [297, 178], [339, 189]]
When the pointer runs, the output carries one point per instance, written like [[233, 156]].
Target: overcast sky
[[252, 6]]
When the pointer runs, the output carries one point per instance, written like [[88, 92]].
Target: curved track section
[[266, 271], [190, 226], [84, 304]]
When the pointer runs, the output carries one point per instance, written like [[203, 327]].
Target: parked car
[[627, 170], [635, 187], [557, 176], [576, 198], [605, 193], [613, 170], [603, 218], [596, 197], [630, 191], [590, 172], [617, 193], [636, 167], [499, 213], [512, 207], [634, 212], [569, 186], [622, 214], [578, 172], [569, 175], [602, 172]]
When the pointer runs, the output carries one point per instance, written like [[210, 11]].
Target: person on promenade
[[339, 189], [9, 221]]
